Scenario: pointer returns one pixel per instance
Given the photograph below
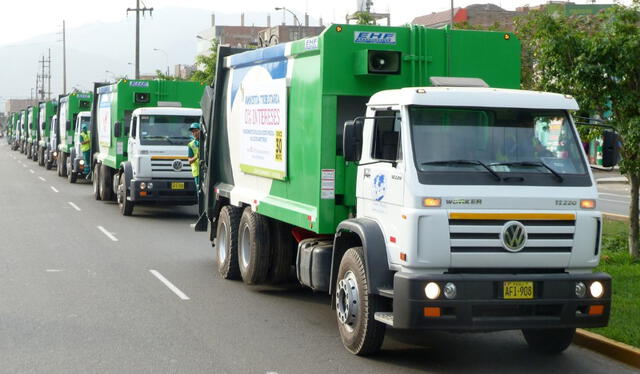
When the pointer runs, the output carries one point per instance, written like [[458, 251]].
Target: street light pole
[[295, 18], [166, 57]]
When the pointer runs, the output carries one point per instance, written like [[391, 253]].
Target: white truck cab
[[486, 204], [157, 170]]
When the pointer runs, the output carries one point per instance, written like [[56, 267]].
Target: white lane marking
[[24, 165], [192, 225], [107, 233], [31, 171], [74, 206], [54, 270], [54, 189], [169, 285], [42, 179]]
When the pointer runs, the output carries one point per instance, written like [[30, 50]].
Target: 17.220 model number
[[566, 202]]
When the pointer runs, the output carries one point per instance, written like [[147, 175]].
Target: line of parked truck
[[399, 169]]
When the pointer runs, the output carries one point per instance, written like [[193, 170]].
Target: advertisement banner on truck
[[264, 129], [104, 120]]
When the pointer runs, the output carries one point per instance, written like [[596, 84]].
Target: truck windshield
[[84, 121], [506, 140], [165, 130]]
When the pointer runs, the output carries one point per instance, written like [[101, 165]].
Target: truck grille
[[483, 236], [167, 165]]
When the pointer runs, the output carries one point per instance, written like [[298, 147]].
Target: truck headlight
[[597, 289], [450, 291], [143, 186], [581, 289], [81, 162], [150, 186], [55, 154], [432, 290]]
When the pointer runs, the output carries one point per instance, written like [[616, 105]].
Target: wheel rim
[[347, 300], [246, 247], [222, 244]]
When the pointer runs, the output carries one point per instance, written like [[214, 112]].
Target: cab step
[[384, 317]]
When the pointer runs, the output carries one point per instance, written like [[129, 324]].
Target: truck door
[[132, 147], [382, 171]]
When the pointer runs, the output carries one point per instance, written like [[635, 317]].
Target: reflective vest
[[84, 137], [195, 148]]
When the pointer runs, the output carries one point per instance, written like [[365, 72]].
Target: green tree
[[365, 18], [206, 65], [595, 59]]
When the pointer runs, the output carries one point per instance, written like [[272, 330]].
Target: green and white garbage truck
[[51, 150], [47, 111], [23, 131], [139, 133], [417, 200], [77, 165], [32, 132], [68, 108]]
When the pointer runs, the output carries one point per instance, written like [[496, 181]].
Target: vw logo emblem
[[177, 165], [513, 236]]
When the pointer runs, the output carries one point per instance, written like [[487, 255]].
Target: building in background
[[16, 105], [183, 71], [493, 16], [253, 36]]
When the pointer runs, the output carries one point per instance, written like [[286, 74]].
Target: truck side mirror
[[117, 130], [610, 149], [352, 140]]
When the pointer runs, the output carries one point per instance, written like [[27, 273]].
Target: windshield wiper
[[464, 162], [163, 137], [532, 163]]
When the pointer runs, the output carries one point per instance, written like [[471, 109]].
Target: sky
[[24, 19]]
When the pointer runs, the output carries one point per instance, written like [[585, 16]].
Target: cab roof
[[480, 97], [168, 111]]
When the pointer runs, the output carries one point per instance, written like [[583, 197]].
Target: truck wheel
[[96, 181], [226, 245], [63, 164], [72, 176], [253, 247], [283, 249], [549, 341], [48, 163], [126, 206], [355, 308], [106, 192]]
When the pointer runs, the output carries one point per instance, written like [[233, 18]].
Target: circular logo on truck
[[513, 236], [177, 165]]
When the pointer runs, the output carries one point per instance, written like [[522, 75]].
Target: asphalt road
[[81, 292], [614, 198]]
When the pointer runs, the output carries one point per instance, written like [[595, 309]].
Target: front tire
[[72, 176], [549, 341], [226, 244], [253, 247], [355, 308], [126, 206]]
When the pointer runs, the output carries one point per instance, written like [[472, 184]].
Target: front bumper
[[480, 306], [162, 192]]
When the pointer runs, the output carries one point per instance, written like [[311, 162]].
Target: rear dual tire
[[226, 243], [253, 247]]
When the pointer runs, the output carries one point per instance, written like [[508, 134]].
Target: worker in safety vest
[[85, 148], [194, 152]]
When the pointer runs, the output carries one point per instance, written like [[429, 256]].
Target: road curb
[[612, 181], [608, 347], [615, 217]]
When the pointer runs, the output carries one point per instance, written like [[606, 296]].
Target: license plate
[[177, 185], [517, 290]]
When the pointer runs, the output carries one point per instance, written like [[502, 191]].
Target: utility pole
[[64, 59], [49, 76], [42, 77], [138, 10]]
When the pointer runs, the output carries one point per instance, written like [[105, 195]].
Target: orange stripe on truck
[[514, 216]]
